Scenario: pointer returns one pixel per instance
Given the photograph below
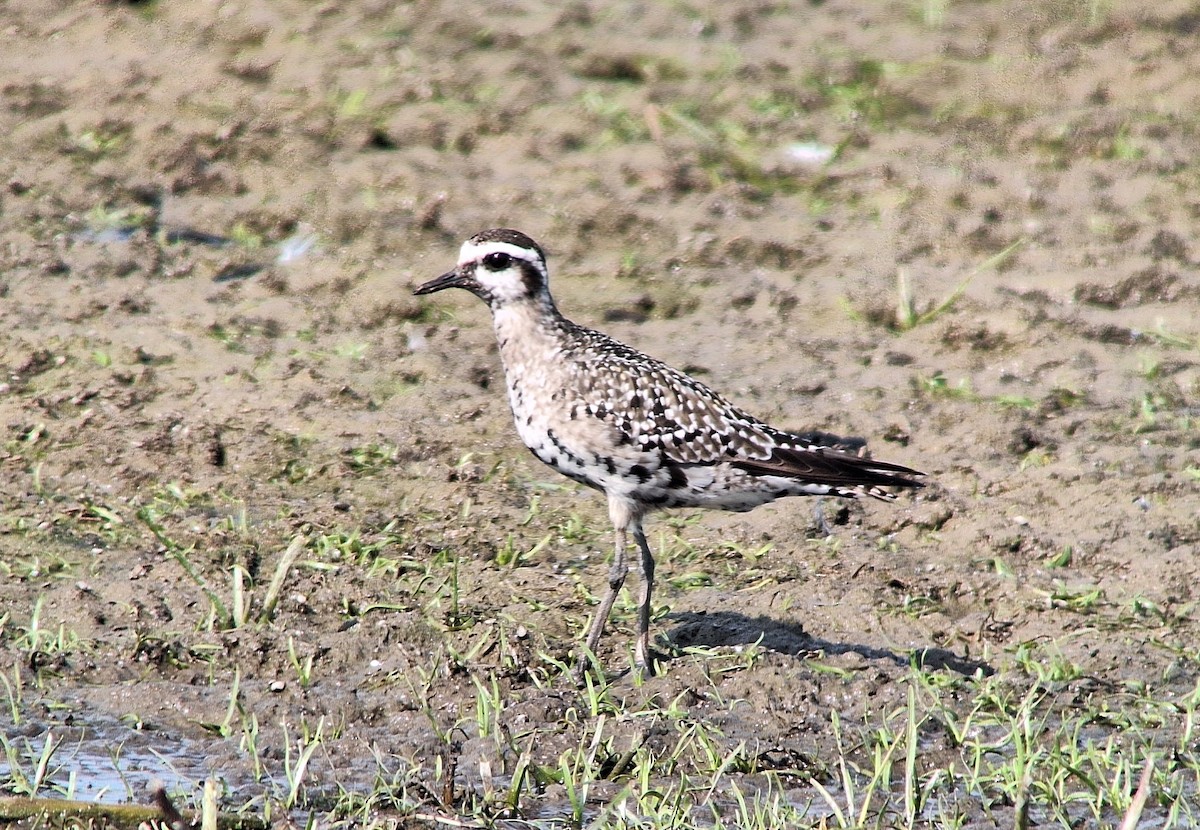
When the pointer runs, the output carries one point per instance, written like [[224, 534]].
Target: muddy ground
[[211, 219]]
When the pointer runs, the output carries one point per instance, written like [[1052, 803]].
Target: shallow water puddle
[[94, 758]]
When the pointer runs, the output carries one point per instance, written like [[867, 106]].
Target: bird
[[648, 436]]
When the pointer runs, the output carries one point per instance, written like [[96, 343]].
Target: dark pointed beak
[[450, 279]]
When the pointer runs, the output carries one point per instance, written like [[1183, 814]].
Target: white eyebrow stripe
[[471, 252]]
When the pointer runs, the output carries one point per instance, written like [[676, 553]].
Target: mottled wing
[[659, 409]]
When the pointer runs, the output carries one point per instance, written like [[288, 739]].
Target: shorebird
[[646, 435]]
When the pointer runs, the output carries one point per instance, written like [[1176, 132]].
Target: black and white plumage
[[645, 434]]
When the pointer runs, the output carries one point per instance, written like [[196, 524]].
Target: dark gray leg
[[616, 578], [824, 528], [641, 652]]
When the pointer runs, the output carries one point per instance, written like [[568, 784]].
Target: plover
[[648, 436]]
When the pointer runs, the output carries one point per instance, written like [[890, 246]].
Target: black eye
[[497, 261]]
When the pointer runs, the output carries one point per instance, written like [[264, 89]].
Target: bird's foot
[[824, 528], [587, 664], [577, 674], [646, 661]]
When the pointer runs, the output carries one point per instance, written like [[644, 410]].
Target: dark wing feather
[[825, 466]]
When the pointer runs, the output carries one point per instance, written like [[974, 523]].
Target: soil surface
[[964, 231]]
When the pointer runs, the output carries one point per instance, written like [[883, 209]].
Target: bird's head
[[499, 266]]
